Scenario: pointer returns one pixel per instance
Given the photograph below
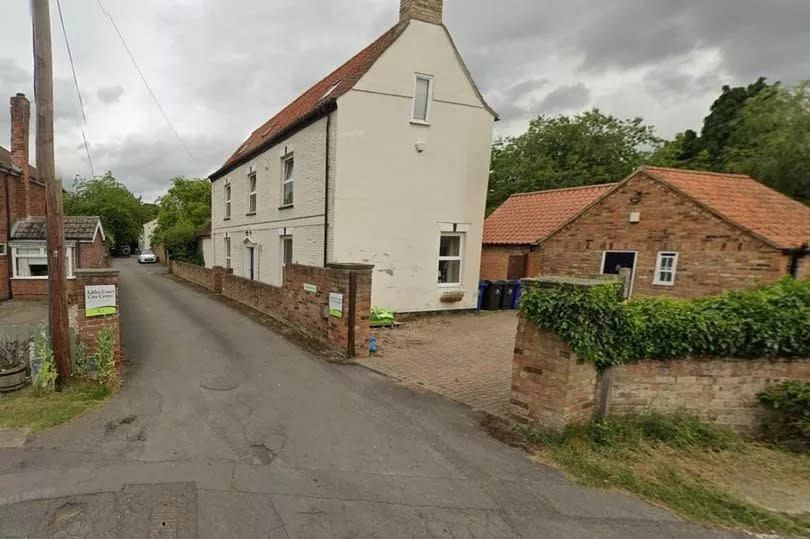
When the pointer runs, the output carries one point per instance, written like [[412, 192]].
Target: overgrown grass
[[38, 411], [669, 460]]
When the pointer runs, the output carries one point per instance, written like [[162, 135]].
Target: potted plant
[[13, 364]]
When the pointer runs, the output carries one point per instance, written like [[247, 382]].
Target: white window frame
[[284, 240], [43, 250], [285, 180], [459, 258], [429, 106], [252, 196], [228, 194], [632, 274], [659, 268], [227, 249]]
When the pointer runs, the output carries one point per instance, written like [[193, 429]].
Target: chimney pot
[[422, 10]]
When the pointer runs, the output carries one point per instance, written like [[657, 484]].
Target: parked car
[[147, 257], [121, 250]]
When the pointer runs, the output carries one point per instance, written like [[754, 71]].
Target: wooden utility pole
[[57, 278]]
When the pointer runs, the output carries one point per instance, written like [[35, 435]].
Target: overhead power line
[[78, 91], [143, 78]]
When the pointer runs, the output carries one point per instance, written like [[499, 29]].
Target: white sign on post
[[336, 305], [99, 300]]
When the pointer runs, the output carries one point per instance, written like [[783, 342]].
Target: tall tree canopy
[[122, 214], [182, 212], [566, 151]]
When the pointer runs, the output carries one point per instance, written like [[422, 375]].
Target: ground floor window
[[227, 252], [665, 267], [614, 261], [32, 262], [286, 250], [450, 256]]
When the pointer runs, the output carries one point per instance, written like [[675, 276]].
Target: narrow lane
[[247, 435]]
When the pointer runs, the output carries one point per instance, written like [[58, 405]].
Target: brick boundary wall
[[90, 328], [291, 303], [551, 386]]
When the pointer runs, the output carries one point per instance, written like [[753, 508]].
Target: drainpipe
[[326, 195], [8, 233], [795, 256]]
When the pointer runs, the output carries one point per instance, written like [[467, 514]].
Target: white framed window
[[251, 193], [227, 199], [32, 262], [450, 256], [227, 252], [422, 99], [286, 250], [3, 251], [287, 174], [665, 268]]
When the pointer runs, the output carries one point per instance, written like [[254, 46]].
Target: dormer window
[[422, 97]]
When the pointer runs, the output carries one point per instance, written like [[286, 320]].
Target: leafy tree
[[150, 210], [771, 141], [568, 151], [182, 212], [121, 213]]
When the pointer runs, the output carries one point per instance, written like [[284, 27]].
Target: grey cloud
[[110, 94], [565, 97]]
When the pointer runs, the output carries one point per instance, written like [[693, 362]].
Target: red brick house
[[683, 233], [23, 260], [512, 232]]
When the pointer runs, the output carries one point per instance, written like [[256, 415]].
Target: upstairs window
[[288, 168], [665, 268], [422, 97], [450, 259], [251, 193], [227, 200]]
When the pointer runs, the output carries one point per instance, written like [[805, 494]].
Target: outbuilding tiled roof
[[526, 218], [327, 90], [780, 220], [76, 228]]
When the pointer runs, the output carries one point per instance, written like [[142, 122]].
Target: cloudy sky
[[222, 67]]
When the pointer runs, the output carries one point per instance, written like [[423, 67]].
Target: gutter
[[319, 112]]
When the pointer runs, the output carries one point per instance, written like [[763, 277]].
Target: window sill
[[663, 284], [250, 213], [226, 219], [420, 122], [449, 285], [285, 207], [29, 278]]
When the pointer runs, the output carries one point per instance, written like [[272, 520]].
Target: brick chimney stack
[[422, 10], [20, 120]]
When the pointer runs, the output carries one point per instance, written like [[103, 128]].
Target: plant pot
[[12, 379]]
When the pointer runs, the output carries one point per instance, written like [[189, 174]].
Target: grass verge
[[27, 409], [699, 471]]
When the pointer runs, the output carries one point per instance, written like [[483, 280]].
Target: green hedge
[[769, 321]]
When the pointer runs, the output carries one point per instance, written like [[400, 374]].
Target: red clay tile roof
[[778, 219], [310, 102], [526, 218]]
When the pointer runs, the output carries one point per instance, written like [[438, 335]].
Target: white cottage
[[385, 161]]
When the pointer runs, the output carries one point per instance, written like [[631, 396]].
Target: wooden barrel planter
[[12, 379]]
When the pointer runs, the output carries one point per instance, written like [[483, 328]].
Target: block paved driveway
[[224, 429], [466, 357]]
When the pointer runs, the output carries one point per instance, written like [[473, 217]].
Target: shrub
[[105, 356], [790, 404], [12, 353], [768, 321], [46, 378]]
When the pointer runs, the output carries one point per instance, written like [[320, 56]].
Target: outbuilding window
[[450, 255], [665, 268], [422, 97], [32, 262]]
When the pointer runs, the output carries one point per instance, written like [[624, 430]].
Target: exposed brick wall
[[495, 260], [423, 10], [550, 385], [36, 198], [20, 112], [722, 391], [295, 305], [90, 328], [29, 288], [92, 255], [713, 255]]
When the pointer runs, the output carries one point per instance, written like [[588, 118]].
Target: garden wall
[[303, 300], [89, 328]]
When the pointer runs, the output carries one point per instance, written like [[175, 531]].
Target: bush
[[768, 321], [790, 404], [105, 357]]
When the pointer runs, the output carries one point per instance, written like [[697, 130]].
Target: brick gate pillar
[[89, 325], [352, 331]]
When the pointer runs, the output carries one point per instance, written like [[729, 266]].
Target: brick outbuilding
[[683, 233]]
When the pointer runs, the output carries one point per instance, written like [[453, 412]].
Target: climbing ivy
[[767, 321]]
